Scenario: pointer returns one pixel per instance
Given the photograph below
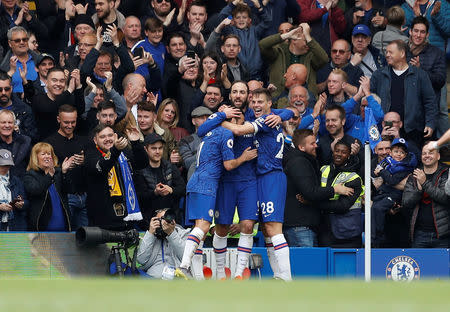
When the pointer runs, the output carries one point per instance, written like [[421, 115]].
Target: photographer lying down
[[163, 244]]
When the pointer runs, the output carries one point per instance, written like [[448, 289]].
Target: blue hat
[[400, 141], [361, 29]]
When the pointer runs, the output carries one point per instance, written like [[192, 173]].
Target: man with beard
[[45, 106], [105, 17], [432, 60], [24, 114], [109, 200]]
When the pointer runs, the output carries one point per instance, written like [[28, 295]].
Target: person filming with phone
[[161, 249]]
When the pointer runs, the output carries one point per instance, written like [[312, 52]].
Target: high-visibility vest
[[341, 178]]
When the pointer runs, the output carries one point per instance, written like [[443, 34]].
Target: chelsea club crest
[[402, 269]]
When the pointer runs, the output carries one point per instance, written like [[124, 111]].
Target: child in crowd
[[393, 169]]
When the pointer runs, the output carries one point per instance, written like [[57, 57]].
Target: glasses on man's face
[[19, 40], [6, 89], [160, 1], [336, 51]]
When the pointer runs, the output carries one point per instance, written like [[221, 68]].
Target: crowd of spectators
[[101, 100]]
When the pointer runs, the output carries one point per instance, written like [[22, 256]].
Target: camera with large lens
[[90, 235], [169, 217]]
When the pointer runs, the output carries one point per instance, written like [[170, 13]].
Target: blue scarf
[[393, 166], [325, 16], [134, 213]]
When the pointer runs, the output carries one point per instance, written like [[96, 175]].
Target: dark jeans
[[300, 236], [78, 211], [429, 240]]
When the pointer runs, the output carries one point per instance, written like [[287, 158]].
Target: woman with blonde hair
[[47, 186], [168, 116]]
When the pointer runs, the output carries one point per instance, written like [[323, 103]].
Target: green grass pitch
[[132, 295]]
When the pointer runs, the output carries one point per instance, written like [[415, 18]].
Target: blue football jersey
[[246, 171], [270, 144], [216, 147]]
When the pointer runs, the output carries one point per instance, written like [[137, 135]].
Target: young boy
[[393, 169], [249, 36], [154, 32]]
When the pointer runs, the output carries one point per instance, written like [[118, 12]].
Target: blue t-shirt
[[216, 147], [56, 222], [31, 74], [270, 144]]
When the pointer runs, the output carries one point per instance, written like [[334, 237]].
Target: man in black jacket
[[427, 204], [24, 115], [302, 214], [160, 184], [106, 197]]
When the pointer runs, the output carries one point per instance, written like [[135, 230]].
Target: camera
[[91, 236], [169, 217]]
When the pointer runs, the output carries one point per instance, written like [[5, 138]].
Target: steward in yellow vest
[[341, 223]]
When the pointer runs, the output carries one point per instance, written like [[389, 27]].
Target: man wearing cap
[[39, 85], [83, 25], [146, 116], [188, 146], [160, 184], [12, 196], [425, 202], [366, 56], [393, 169]]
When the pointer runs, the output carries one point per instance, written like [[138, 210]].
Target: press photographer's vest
[[341, 178]]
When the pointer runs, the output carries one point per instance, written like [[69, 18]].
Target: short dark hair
[[148, 107], [344, 142], [66, 108], [4, 76], [174, 35], [152, 24], [198, 3], [100, 127], [338, 108], [300, 135], [241, 8], [106, 105], [216, 85], [55, 69], [420, 20], [264, 91]]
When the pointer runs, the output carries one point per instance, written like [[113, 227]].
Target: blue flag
[[372, 134], [134, 213]]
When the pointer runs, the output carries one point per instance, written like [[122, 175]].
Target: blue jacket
[[250, 54], [439, 23], [419, 99], [355, 125]]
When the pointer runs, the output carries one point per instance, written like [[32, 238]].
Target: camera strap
[[162, 250]]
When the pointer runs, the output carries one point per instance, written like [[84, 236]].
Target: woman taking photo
[[47, 186]]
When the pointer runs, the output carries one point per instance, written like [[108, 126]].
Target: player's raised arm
[[247, 155], [239, 130]]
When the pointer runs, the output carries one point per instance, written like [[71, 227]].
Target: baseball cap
[[361, 29], [44, 56], [6, 158], [201, 111], [400, 141], [153, 138]]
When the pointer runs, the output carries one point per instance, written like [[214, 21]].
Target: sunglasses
[[7, 89], [335, 51], [19, 40], [160, 1]]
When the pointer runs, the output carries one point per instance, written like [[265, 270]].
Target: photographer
[[162, 245]]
